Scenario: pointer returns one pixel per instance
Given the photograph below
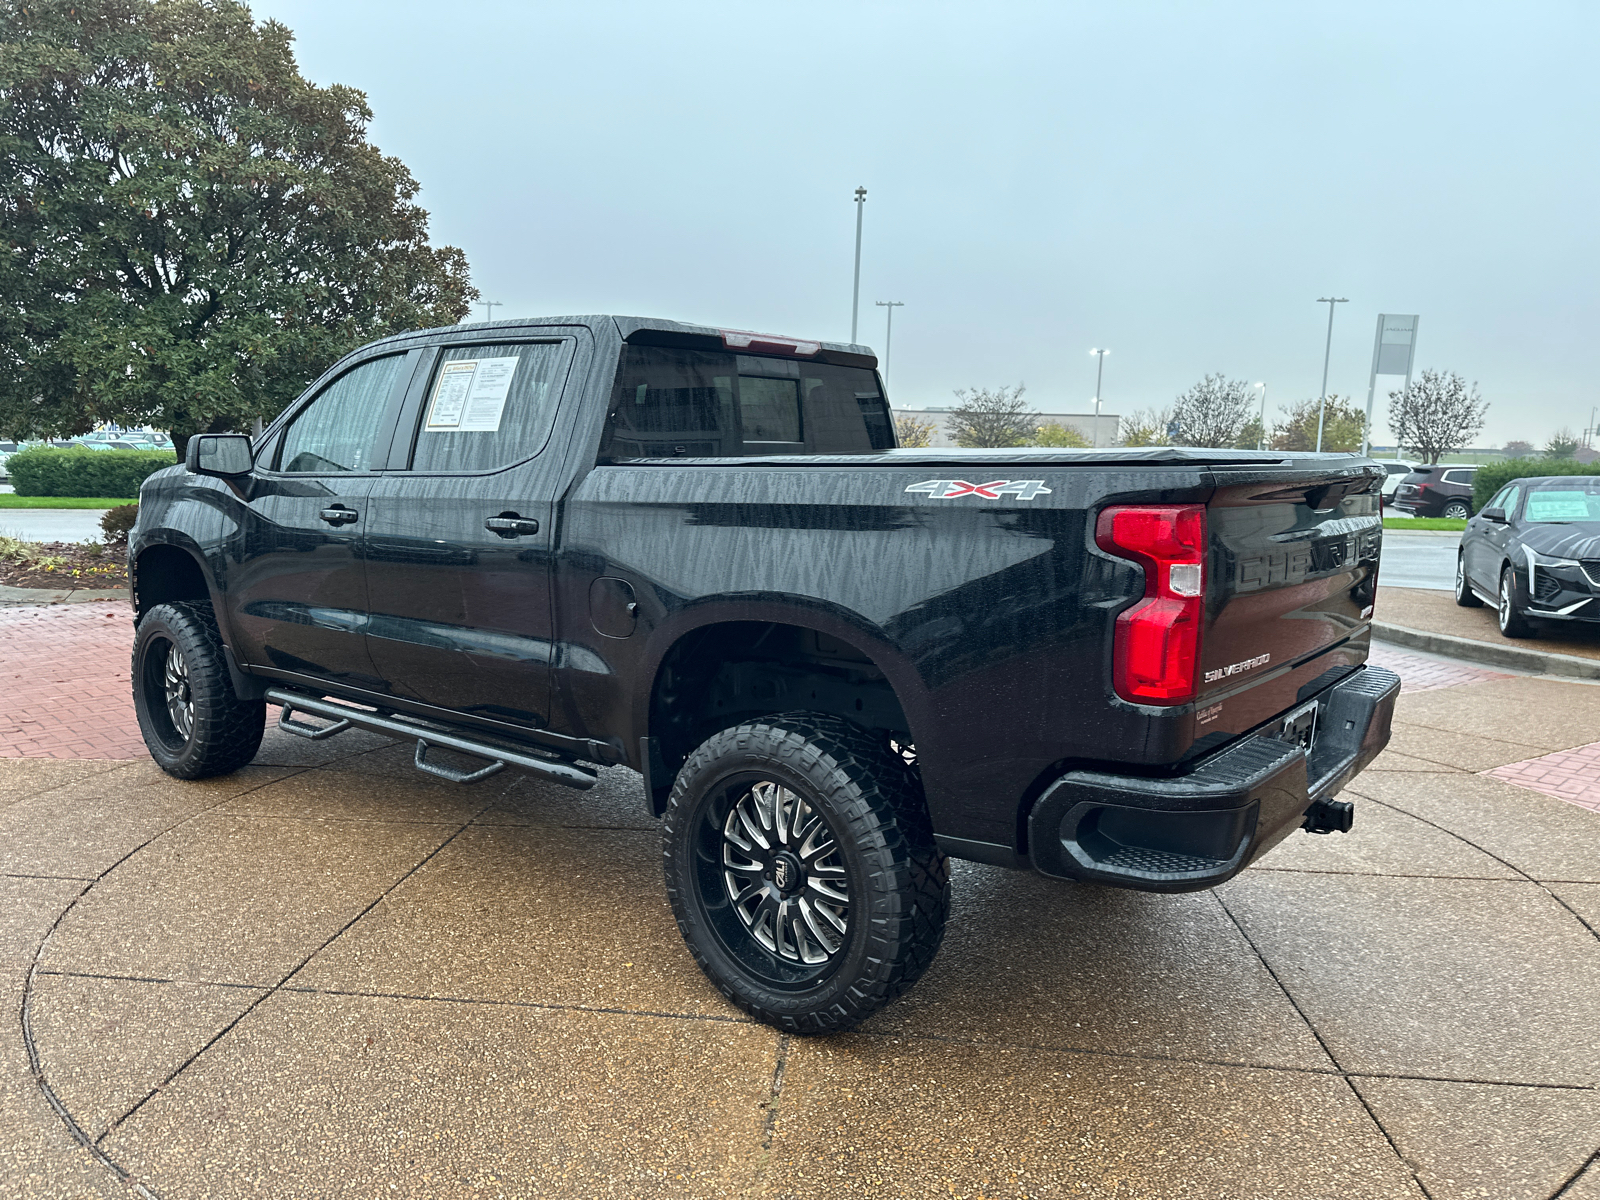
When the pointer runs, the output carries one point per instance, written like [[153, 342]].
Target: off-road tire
[[1508, 612], [1465, 596], [1456, 510], [225, 731], [898, 881]]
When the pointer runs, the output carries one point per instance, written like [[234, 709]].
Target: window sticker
[[470, 395], [1558, 506]]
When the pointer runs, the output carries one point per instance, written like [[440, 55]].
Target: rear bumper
[[1193, 831]]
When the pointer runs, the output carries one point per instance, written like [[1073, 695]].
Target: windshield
[[1560, 503]]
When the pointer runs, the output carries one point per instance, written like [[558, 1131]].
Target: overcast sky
[[1178, 182]]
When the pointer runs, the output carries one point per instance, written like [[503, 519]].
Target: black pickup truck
[[572, 543]]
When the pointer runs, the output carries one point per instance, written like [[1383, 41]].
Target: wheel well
[[719, 675], [163, 574]]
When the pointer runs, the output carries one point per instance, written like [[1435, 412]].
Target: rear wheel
[[1456, 510], [1512, 623], [802, 870], [1464, 593], [193, 723]]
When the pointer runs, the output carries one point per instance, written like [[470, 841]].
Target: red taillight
[[1157, 656]]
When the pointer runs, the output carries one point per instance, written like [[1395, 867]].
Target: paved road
[[52, 524], [1418, 560], [328, 974]]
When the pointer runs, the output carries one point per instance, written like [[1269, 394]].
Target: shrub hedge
[[51, 471], [1492, 478]]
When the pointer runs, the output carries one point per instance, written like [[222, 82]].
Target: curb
[[1539, 662], [12, 596]]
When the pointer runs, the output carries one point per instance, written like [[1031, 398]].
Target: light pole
[[489, 306], [1322, 411], [1261, 443], [1099, 372], [855, 294], [888, 333]]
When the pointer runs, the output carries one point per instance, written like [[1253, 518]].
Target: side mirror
[[1497, 515], [223, 454]]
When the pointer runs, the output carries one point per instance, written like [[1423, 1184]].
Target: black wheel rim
[[772, 881], [169, 697]]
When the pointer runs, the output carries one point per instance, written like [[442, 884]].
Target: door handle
[[509, 525], [339, 515]]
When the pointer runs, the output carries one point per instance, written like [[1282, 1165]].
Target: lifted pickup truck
[[571, 543]]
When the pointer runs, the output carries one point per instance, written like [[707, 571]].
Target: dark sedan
[[1534, 553]]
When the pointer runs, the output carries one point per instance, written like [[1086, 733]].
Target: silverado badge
[[949, 489]]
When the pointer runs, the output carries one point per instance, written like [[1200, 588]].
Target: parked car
[[1396, 470], [1534, 553], [1437, 491], [583, 542]]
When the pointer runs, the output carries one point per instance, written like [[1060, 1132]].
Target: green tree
[[193, 231], [1054, 433], [991, 417], [1146, 427], [1342, 425], [1518, 449], [1562, 444], [912, 433]]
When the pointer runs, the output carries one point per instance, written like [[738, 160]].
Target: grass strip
[[1414, 523], [9, 501]]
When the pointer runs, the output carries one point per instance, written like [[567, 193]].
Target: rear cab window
[[678, 403]]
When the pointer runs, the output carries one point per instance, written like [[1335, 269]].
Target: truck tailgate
[[1294, 570]]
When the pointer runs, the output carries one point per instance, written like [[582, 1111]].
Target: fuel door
[[613, 610]]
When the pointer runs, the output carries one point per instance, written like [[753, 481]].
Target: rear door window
[[489, 406], [670, 403]]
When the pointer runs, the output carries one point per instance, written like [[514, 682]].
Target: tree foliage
[[1518, 449], [1146, 427], [1436, 414], [1342, 425], [1214, 412], [1054, 433], [991, 417], [912, 433], [1562, 444], [192, 231]]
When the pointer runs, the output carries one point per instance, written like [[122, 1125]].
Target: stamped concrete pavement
[[328, 975]]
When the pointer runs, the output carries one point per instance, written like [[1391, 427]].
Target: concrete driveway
[[1425, 559], [52, 524], [328, 975]]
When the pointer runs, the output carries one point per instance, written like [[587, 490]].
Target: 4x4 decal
[[949, 489]]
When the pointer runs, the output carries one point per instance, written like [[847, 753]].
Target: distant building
[[1084, 423]]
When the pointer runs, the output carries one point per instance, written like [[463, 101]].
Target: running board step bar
[[345, 717]]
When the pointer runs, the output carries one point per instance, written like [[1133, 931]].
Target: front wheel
[[1456, 510], [1512, 623], [802, 870], [193, 723], [1464, 594]]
